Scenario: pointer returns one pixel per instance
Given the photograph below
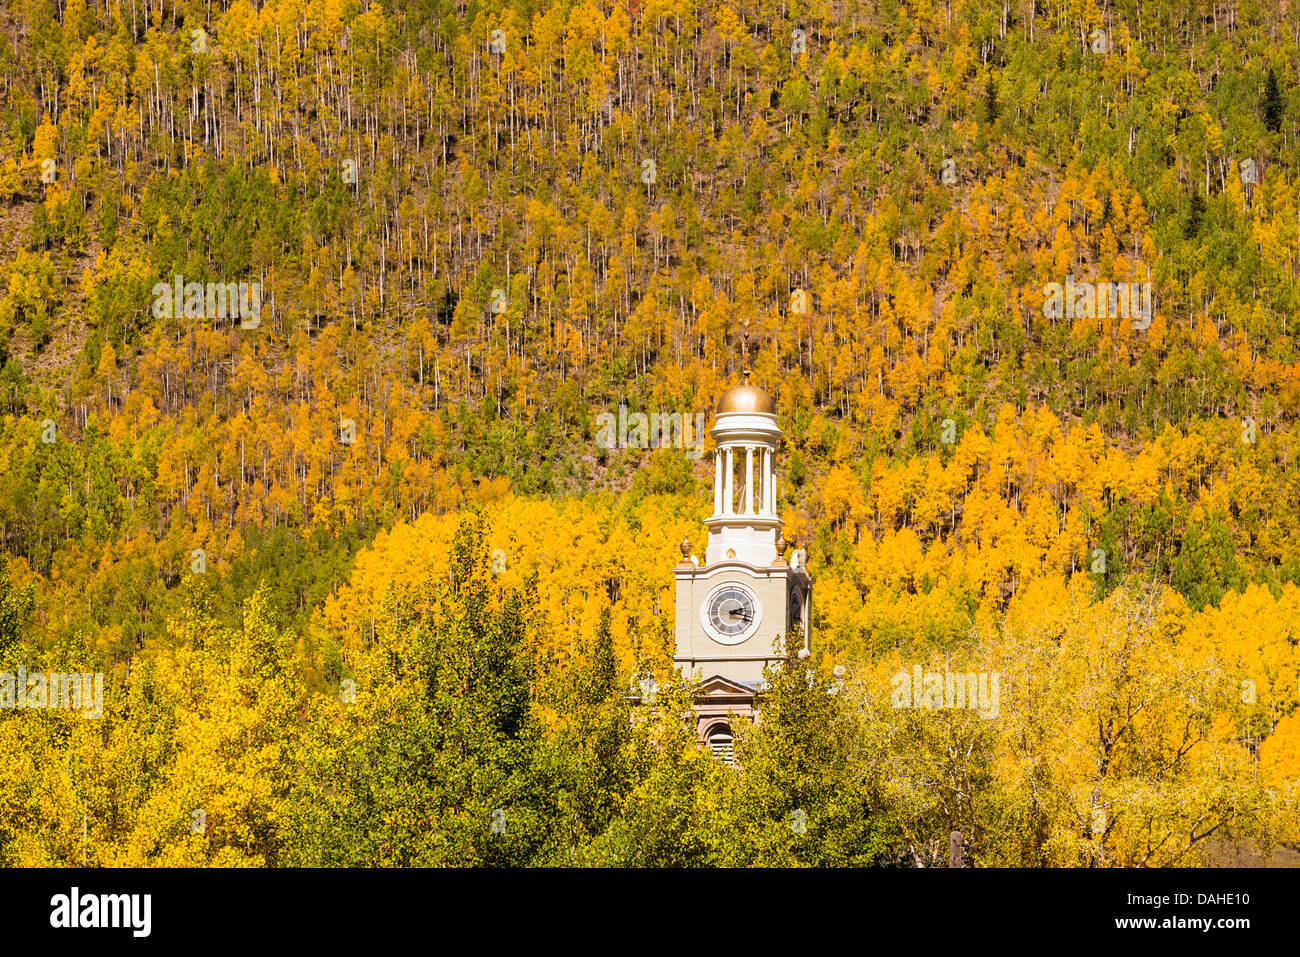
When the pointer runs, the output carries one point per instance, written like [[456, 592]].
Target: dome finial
[[744, 397]]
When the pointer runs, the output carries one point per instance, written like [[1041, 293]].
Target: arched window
[[719, 740]]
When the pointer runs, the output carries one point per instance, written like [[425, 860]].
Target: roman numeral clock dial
[[730, 613]]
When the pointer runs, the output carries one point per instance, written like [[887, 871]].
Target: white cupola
[[744, 525]]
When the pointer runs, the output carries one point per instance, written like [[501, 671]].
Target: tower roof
[[744, 397]]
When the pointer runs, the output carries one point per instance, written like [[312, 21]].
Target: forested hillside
[[359, 574]]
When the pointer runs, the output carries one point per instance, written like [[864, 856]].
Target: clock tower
[[736, 609]]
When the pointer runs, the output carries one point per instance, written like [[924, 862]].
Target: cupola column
[[728, 492], [769, 484], [717, 482], [749, 480]]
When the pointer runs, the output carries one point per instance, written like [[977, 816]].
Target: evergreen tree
[[1272, 103], [991, 107], [1195, 215]]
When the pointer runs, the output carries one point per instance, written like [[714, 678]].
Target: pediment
[[718, 686]]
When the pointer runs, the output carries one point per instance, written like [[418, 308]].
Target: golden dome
[[744, 397]]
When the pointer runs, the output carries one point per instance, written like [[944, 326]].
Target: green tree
[[991, 107], [808, 791], [437, 762], [1272, 103], [16, 606], [1207, 564]]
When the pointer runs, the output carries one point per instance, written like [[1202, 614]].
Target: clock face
[[730, 613]]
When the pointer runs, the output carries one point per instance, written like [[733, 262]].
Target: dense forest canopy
[[360, 575]]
